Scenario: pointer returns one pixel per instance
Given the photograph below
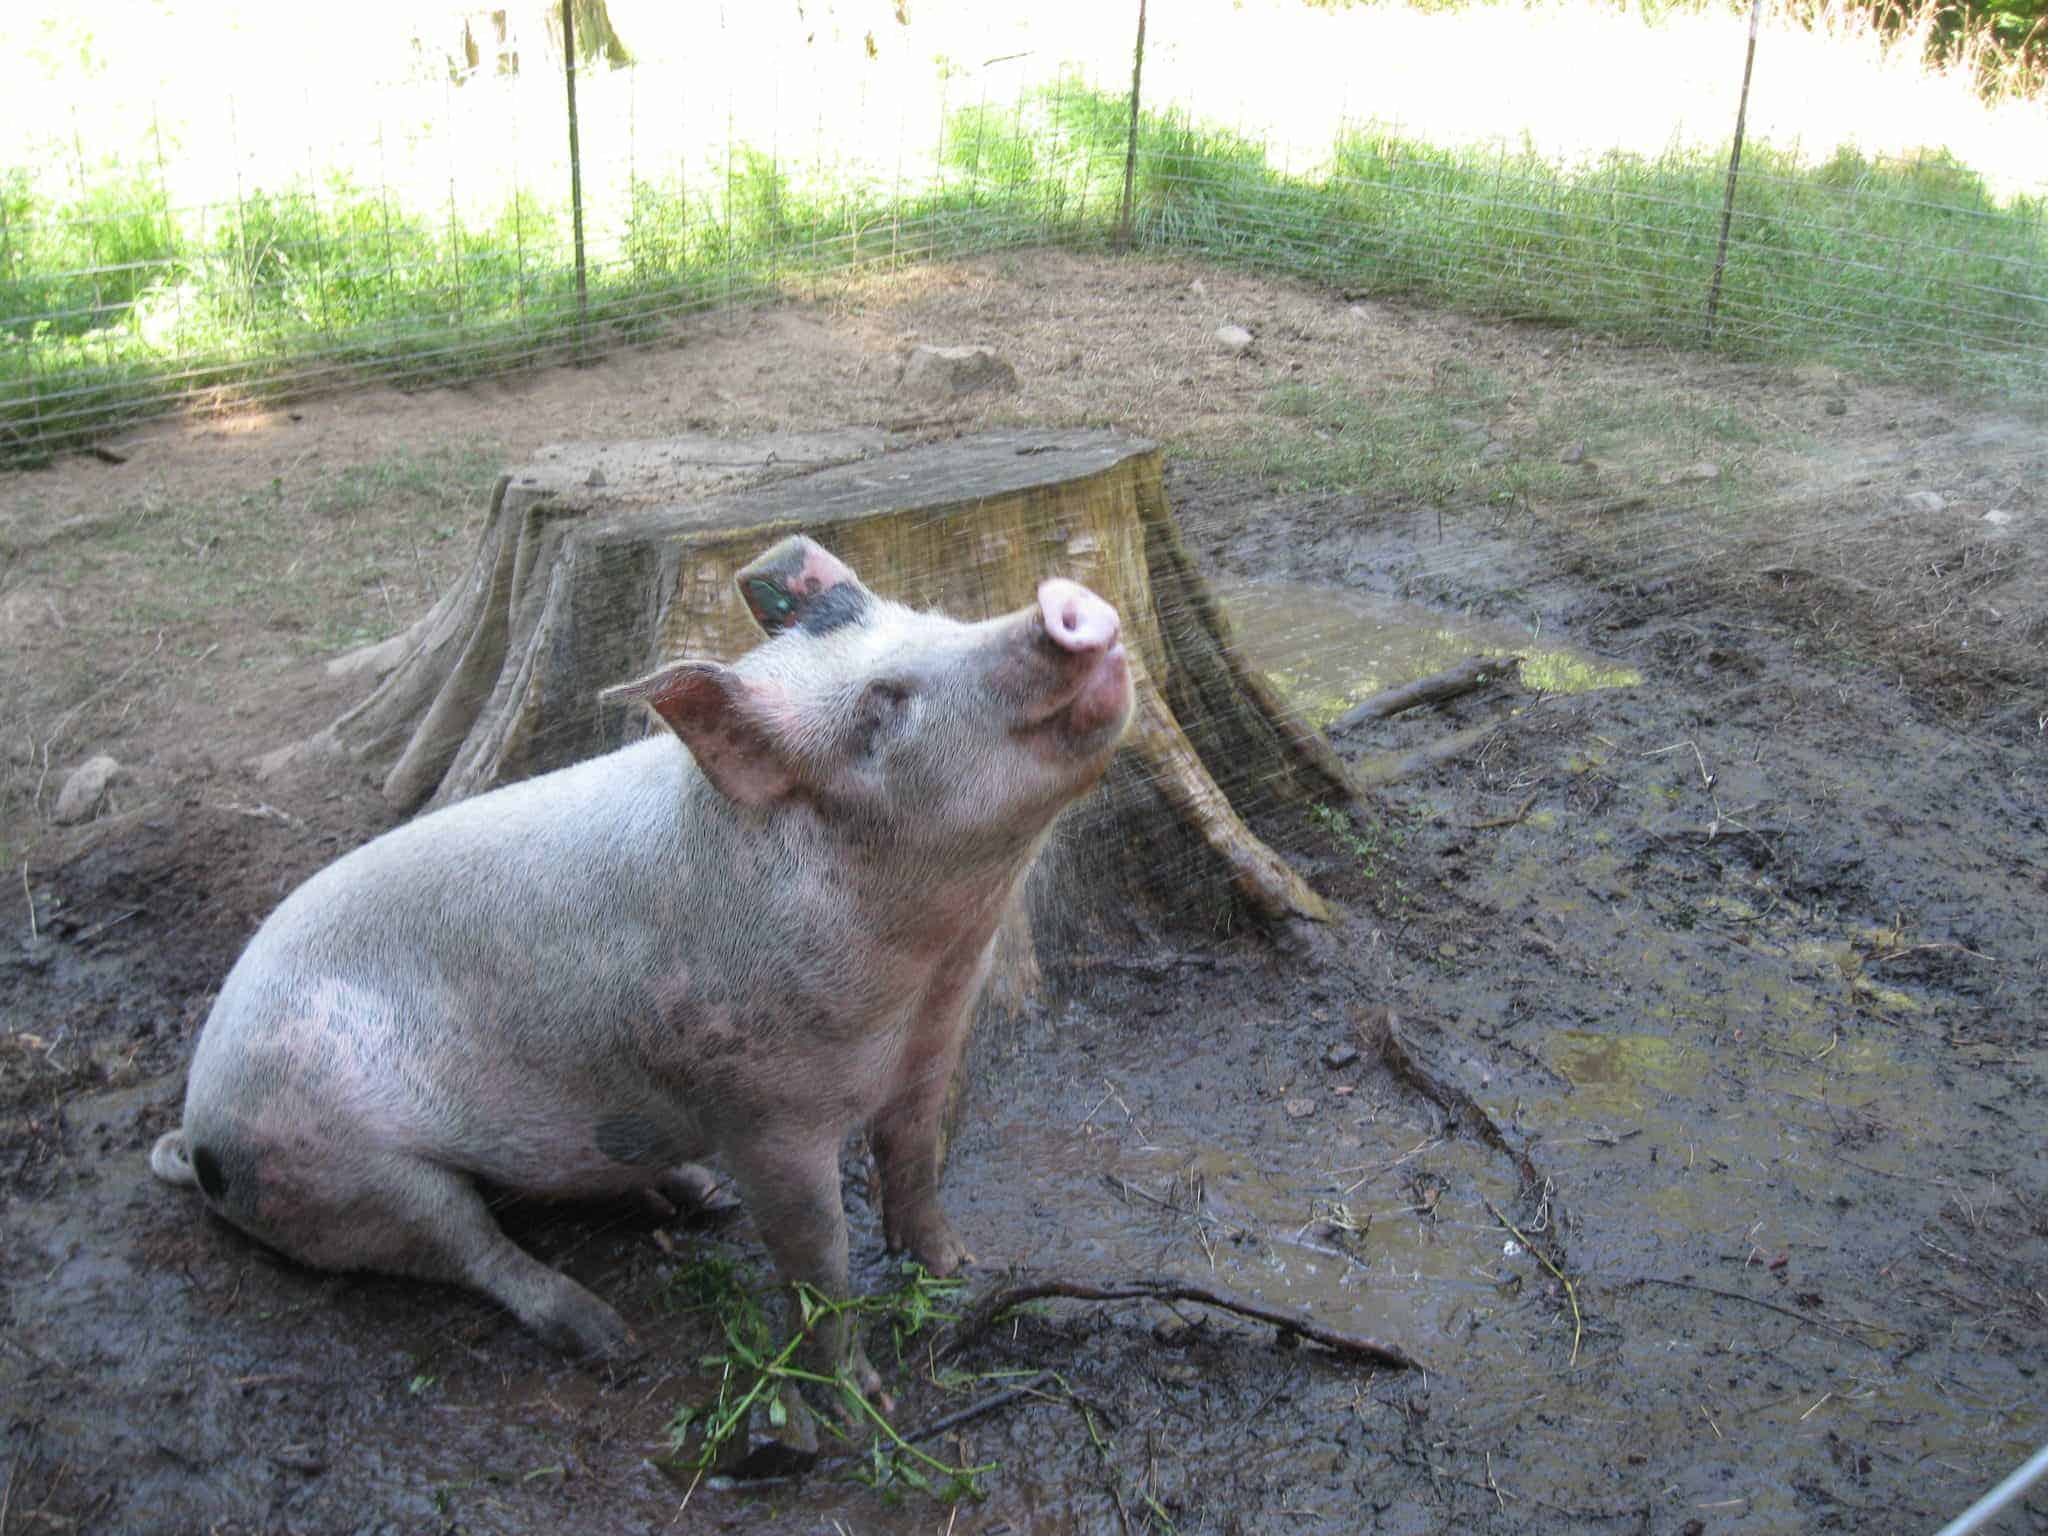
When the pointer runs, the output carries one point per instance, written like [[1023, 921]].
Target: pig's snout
[[1075, 618], [1084, 634]]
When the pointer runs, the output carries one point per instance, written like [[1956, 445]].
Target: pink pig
[[744, 940]]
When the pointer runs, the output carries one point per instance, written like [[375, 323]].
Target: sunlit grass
[[1540, 161]]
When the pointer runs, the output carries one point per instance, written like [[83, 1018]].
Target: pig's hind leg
[[404, 1215]]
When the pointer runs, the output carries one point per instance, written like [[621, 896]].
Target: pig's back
[[456, 965]]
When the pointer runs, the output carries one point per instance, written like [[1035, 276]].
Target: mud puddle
[[1329, 648]]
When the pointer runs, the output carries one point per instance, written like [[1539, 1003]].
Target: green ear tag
[[769, 599]]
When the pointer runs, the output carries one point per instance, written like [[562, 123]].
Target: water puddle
[[1397, 1246], [1327, 649]]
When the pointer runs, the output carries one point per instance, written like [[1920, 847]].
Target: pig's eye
[[884, 705]]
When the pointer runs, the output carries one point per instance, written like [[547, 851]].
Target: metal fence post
[[575, 173], [1756, 8], [1123, 221]]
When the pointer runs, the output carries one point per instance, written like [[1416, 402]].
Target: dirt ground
[[1739, 935]]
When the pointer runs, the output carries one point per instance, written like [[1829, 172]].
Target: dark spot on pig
[[834, 608], [636, 1140], [211, 1179]]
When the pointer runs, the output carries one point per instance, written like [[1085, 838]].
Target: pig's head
[[960, 742]]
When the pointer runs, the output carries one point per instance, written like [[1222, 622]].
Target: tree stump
[[600, 562]]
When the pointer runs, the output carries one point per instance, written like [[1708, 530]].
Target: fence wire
[[149, 266]]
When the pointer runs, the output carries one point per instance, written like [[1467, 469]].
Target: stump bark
[[601, 562]]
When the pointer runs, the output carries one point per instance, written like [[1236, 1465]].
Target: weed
[[755, 1370], [1371, 844]]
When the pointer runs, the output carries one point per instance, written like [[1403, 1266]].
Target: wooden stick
[[1467, 676], [1391, 767], [990, 1308]]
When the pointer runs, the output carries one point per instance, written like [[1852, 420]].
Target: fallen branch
[[1467, 676], [1392, 767], [991, 1307]]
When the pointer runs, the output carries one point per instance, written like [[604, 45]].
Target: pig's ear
[[800, 583], [731, 725]]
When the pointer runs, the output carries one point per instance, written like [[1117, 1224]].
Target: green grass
[[114, 306]]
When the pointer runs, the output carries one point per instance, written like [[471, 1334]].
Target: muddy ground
[[1740, 934]]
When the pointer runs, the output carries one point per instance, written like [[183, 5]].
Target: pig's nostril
[[1070, 616]]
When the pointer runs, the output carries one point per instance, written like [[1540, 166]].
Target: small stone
[[1300, 1109], [1340, 1056], [2000, 517], [1575, 454], [1235, 339], [954, 372], [80, 798], [1929, 502], [594, 479], [1198, 287], [1495, 452], [1836, 406], [781, 1439], [1705, 472]]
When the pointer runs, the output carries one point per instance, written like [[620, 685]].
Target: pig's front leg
[[790, 1182], [905, 1138]]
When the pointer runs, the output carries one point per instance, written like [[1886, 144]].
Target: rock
[[1300, 1109], [1999, 517], [781, 1439], [1340, 1056], [1836, 406], [1496, 452], [594, 479], [1198, 287], [1705, 472], [952, 373], [1575, 454], [1235, 339], [1926, 501], [79, 799]]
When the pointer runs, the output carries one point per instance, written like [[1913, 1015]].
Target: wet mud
[[1742, 955]]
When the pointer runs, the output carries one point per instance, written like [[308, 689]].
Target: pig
[[740, 939]]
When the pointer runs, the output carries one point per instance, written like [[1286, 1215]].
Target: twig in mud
[[1468, 675], [1367, 1175], [1570, 1291], [259, 812], [1520, 815], [1379, 1029], [990, 1308], [1391, 768], [988, 1405], [34, 931], [1914, 949], [1768, 1306], [100, 930]]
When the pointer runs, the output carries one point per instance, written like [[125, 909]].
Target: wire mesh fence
[[152, 260]]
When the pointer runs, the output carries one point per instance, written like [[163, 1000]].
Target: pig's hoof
[[931, 1241], [587, 1327], [867, 1381]]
